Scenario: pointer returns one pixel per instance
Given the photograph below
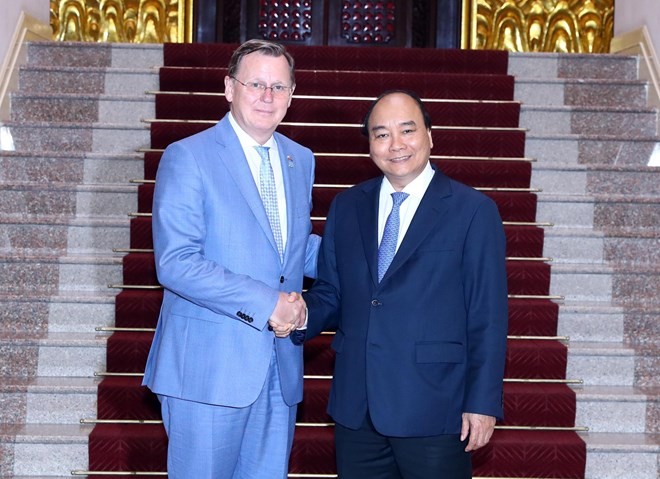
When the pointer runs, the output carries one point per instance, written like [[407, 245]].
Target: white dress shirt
[[416, 189], [254, 162]]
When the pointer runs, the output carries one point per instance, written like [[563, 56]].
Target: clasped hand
[[289, 314]]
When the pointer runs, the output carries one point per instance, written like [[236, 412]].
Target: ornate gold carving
[[542, 25], [129, 21]]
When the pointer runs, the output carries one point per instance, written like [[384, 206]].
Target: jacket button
[[281, 279], [375, 302]]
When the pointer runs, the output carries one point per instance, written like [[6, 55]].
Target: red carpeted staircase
[[477, 141]]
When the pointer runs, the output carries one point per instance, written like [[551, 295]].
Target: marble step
[[622, 456], [83, 354], [588, 245], [52, 274], [580, 92], [89, 273], [534, 65], [589, 149], [107, 138], [637, 325], [57, 400], [60, 235], [81, 313], [574, 245], [605, 92], [70, 167], [605, 283], [591, 282], [88, 80], [73, 107], [53, 354], [599, 211], [47, 400], [637, 284], [565, 211], [29, 198], [642, 325], [613, 364], [43, 450], [22, 313], [618, 409], [559, 178], [591, 321], [529, 91], [575, 179], [63, 312], [623, 179], [588, 120], [627, 211], [87, 54], [56, 450], [613, 120], [76, 107], [578, 66]]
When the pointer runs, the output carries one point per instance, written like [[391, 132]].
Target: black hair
[[425, 114]]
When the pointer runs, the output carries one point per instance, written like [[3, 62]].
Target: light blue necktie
[[269, 196], [387, 248]]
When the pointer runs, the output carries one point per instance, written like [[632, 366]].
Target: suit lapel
[[367, 215], [432, 208], [232, 156]]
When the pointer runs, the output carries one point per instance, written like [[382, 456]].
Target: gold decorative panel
[[128, 21], [570, 26]]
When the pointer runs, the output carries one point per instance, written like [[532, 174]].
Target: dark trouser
[[367, 454]]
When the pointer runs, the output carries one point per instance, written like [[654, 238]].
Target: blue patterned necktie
[[269, 196], [387, 248]]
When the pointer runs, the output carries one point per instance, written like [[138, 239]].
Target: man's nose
[[267, 94], [396, 143]]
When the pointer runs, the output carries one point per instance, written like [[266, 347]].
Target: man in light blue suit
[[232, 236]]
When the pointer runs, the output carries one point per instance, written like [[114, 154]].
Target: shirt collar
[[246, 140], [416, 187]]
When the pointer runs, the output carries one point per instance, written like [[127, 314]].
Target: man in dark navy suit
[[412, 276]]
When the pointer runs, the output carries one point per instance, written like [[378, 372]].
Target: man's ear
[[229, 88], [291, 96]]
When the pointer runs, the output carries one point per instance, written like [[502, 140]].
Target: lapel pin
[[289, 160]]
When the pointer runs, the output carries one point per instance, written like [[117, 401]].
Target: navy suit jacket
[[428, 342]]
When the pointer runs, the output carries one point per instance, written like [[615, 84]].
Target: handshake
[[290, 314]]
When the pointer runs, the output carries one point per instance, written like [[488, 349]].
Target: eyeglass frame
[[257, 87]]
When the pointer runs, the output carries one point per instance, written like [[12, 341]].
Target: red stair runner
[[483, 158]]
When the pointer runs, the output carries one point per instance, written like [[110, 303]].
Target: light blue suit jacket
[[217, 260]]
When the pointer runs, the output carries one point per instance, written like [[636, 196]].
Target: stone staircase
[[592, 135], [65, 194]]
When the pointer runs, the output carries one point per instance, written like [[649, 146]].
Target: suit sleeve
[[323, 298], [179, 231], [314, 240], [485, 281]]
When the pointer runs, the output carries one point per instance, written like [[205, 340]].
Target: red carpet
[[484, 158], [483, 86]]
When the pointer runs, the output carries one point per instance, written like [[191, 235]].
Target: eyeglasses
[[260, 88]]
